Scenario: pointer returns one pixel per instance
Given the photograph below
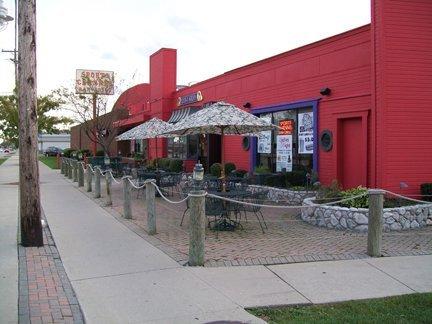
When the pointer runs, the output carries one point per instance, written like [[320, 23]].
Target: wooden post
[[151, 210], [80, 174], [70, 174], [197, 228], [97, 191], [376, 201], [62, 166], [30, 206], [66, 173], [75, 171], [108, 189], [89, 178], [127, 210]]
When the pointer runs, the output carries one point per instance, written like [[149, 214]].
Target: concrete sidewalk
[[120, 277], [8, 241]]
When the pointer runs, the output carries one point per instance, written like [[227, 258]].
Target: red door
[[351, 155]]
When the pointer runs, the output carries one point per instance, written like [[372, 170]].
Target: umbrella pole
[[223, 160]]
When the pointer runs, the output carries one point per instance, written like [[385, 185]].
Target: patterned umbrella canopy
[[224, 119], [153, 128], [221, 118]]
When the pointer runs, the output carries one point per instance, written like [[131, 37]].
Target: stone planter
[[356, 219], [291, 197]]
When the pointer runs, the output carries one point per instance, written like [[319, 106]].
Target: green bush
[[176, 165], [67, 152], [296, 178], [238, 173], [426, 191], [329, 193], [262, 170], [137, 156], [215, 169], [86, 152], [275, 180], [361, 202], [100, 153], [229, 167], [74, 154], [164, 163]]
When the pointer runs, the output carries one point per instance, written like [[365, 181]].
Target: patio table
[[226, 223]]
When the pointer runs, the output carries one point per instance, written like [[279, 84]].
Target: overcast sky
[[211, 37]]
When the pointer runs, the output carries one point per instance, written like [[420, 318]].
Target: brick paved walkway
[[287, 240], [45, 292]]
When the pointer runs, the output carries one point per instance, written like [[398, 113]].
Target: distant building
[[58, 140]]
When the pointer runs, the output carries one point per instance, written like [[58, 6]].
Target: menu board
[[305, 133], [284, 153], [264, 138]]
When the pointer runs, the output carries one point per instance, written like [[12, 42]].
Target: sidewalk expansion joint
[[394, 278], [125, 274], [299, 292]]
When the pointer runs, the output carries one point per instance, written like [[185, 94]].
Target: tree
[[100, 129], [47, 122]]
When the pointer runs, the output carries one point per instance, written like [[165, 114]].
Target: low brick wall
[[291, 197], [356, 219]]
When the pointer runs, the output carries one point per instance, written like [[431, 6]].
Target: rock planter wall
[[356, 219], [293, 197]]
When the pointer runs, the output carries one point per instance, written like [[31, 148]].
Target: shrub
[[262, 170], [67, 152], [361, 202], [86, 152], [176, 165], [276, 180], [296, 178], [426, 191], [329, 193], [100, 153], [74, 154], [164, 163], [215, 169], [238, 173], [229, 167]]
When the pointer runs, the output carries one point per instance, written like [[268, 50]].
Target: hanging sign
[[284, 153], [305, 133], [286, 127], [190, 98], [264, 138]]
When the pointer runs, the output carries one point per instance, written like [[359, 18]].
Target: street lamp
[[198, 175]]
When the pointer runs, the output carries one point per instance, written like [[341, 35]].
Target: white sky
[[211, 37]]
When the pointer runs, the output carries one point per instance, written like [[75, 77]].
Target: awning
[[180, 114]]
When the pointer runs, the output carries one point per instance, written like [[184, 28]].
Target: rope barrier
[[285, 207], [407, 198], [165, 198], [133, 184]]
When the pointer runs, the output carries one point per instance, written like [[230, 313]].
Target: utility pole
[[30, 207]]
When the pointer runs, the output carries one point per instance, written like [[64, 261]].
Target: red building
[[358, 103]]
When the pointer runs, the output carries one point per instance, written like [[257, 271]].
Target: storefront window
[[291, 147], [183, 147]]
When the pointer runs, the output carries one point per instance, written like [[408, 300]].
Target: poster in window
[[264, 138], [305, 133], [284, 153]]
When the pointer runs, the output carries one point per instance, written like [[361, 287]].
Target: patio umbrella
[[224, 119], [153, 128]]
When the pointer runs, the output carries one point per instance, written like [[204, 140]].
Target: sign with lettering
[[265, 138], [284, 153], [94, 82], [190, 98], [305, 133], [286, 127]]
